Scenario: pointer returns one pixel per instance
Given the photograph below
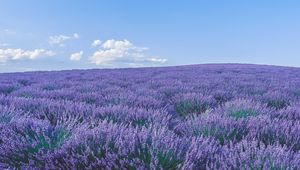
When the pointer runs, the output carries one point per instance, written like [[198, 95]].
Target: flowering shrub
[[189, 117], [189, 103]]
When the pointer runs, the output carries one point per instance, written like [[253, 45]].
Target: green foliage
[[278, 103], [24, 82], [220, 133], [8, 89], [34, 143], [186, 107], [90, 100], [144, 154], [50, 140], [5, 118], [168, 160], [243, 113], [49, 87], [140, 123]]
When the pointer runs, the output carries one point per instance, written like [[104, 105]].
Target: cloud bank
[[113, 52], [60, 39], [18, 54], [96, 43], [4, 44], [76, 56]]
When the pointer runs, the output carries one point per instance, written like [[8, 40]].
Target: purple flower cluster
[[225, 116]]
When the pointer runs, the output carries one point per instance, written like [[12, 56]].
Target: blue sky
[[65, 34]]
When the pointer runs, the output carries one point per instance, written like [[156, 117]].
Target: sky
[[68, 34]]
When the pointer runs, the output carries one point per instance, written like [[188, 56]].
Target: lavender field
[[221, 116]]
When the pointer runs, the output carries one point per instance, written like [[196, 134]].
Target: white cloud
[[75, 36], [76, 56], [124, 52], [18, 54], [60, 39], [96, 43], [9, 32], [113, 44], [4, 44], [159, 60]]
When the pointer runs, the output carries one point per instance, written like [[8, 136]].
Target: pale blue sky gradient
[[183, 32]]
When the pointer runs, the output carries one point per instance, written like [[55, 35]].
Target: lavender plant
[[213, 116]]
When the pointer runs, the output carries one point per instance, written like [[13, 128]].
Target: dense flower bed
[[187, 117]]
